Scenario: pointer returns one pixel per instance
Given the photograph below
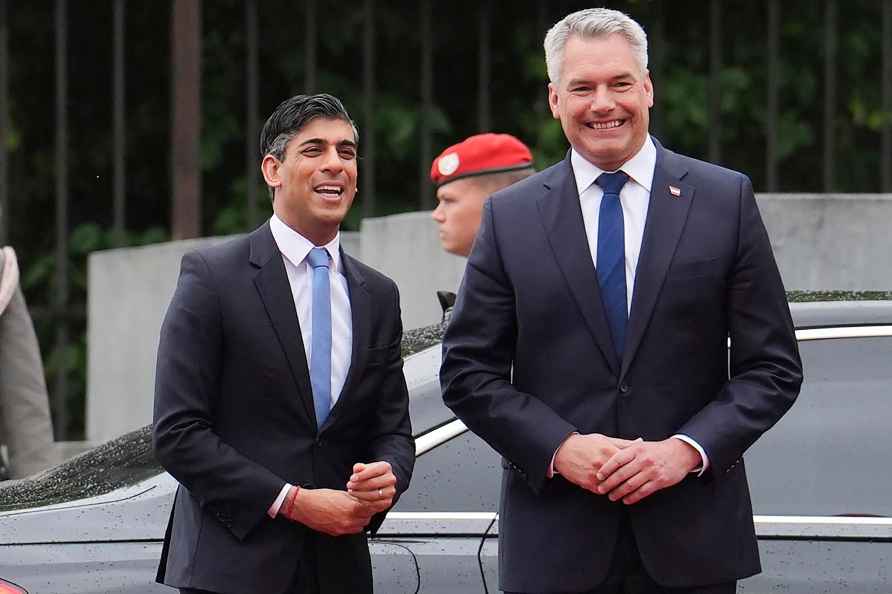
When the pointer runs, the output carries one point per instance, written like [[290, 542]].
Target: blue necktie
[[320, 357], [611, 265]]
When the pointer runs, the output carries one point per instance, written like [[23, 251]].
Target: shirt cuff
[[274, 508], [703, 457]]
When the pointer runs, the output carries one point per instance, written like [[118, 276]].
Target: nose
[[602, 99], [437, 214], [332, 160]]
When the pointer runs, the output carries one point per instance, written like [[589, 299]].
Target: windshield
[[118, 463]]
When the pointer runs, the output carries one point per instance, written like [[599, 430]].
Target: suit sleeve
[[390, 436], [235, 489], [478, 352], [765, 368]]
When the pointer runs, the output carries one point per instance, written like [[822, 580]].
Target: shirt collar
[[295, 246], [640, 167]]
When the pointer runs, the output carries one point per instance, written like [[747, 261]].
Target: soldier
[[466, 174]]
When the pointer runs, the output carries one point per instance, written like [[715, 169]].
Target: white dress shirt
[[634, 198], [295, 248]]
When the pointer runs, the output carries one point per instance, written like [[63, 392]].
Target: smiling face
[[315, 182], [602, 100]]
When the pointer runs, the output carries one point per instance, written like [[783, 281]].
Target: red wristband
[[289, 501]]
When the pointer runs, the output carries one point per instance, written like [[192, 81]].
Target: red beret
[[480, 154]]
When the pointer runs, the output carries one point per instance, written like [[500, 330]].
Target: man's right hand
[[329, 511], [580, 457]]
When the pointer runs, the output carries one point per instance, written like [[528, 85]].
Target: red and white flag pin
[[674, 191]]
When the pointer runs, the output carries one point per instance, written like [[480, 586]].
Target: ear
[[270, 169], [553, 101]]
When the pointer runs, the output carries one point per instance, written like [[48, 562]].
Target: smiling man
[[280, 402], [588, 344]]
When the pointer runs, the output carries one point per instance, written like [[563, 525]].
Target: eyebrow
[[583, 81], [323, 142]]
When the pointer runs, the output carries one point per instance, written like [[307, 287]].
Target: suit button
[[624, 388]]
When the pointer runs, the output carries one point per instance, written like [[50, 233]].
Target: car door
[[447, 509], [820, 480]]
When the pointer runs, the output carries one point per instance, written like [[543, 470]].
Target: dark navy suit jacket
[[530, 300], [234, 420]]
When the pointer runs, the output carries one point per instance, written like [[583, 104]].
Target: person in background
[[465, 175], [26, 428]]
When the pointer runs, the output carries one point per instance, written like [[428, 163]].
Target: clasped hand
[[622, 469], [370, 490]]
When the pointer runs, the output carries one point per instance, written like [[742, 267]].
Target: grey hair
[[589, 23], [280, 143]]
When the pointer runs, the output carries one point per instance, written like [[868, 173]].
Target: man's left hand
[[373, 483], [644, 468]]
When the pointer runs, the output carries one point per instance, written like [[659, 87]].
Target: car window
[[462, 475], [120, 462], [828, 455]]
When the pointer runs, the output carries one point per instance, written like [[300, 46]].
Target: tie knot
[[318, 257], [612, 183]]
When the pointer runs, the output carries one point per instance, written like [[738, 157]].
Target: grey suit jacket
[[25, 425]]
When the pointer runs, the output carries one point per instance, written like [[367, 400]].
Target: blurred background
[[125, 123]]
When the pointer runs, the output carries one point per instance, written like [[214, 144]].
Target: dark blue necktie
[[611, 264], [320, 356]]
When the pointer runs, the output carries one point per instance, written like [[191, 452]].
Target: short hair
[[587, 24], [494, 182], [292, 115]]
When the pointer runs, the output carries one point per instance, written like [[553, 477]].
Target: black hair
[[293, 114]]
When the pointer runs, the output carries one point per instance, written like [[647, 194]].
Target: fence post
[[60, 296], [119, 144]]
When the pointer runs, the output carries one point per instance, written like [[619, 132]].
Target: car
[[819, 485]]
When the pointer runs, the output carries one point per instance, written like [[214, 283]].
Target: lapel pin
[[674, 191]]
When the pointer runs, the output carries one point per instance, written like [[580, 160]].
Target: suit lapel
[[565, 230], [360, 312], [275, 292], [670, 201]]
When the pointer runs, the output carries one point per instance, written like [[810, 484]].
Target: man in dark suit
[[589, 343], [280, 403]]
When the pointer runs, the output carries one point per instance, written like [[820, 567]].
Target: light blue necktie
[[320, 357], [611, 264]]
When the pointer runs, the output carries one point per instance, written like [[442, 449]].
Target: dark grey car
[[820, 483]]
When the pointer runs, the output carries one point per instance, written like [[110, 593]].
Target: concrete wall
[[820, 242], [406, 248], [831, 241]]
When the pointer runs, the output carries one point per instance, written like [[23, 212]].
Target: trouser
[[628, 576], [305, 581]]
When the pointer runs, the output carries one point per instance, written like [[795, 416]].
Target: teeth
[[328, 189], [606, 125]]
